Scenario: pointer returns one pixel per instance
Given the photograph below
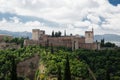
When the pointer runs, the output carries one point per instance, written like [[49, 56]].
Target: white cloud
[[15, 19], [35, 23], [80, 13], [28, 26]]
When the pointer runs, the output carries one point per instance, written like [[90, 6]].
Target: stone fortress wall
[[75, 42], [7, 45]]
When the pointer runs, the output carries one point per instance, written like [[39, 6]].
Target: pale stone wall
[[30, 42], [25, 68], [35, 34], [74, 42], [42, 32], [2, 37], [89, 37], [60, 41], [4, 45], [92, 46]]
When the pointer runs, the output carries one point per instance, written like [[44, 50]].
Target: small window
[[89, 35]]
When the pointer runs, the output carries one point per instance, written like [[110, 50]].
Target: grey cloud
[[78, 13]]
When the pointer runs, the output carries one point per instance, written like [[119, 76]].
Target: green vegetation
[[18, 41], [10, 58], [84, 64], [107, 44], [79, 65], [67, 73], [56, 34]]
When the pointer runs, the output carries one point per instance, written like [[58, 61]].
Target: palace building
[[74, 42]]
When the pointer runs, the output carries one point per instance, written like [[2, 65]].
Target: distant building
[[3, 37], [7, 45], [74, 42], [89, 36]]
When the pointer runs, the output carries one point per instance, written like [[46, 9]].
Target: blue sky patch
[[114, 2]]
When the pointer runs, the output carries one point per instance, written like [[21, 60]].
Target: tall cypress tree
[[67, 73], [53, 34], [64, 32], [14, 66], [108, 68], [59, 73], [102, 44]]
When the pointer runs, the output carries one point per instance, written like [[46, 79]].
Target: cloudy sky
[[74, 16]]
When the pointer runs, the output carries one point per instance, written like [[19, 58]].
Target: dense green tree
[[67, 73], [14, 67], [6, 39], [105, 64], [71, 34], [109, 44], [59, 73], [102, 42], [53, 34], [56, 34], [59, 34]]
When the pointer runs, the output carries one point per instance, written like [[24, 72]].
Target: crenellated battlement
[[74, 42]]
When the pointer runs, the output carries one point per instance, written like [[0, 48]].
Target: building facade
[[74, 42]]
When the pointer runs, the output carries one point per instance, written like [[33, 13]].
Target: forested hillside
[[63, 63]]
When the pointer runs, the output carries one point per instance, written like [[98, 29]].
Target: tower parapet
[[37, 34]]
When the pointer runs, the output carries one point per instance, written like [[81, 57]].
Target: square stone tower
[[35, 34], [89, 36]]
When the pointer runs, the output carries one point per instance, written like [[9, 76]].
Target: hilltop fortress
[[74, 42]]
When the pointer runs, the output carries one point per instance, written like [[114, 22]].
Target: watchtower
[[89, 36], [35, 34]]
